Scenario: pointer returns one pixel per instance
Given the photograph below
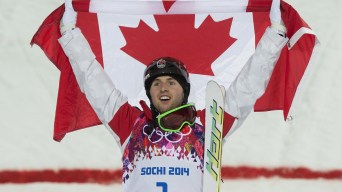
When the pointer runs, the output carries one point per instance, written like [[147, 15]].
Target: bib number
[[163, 185]]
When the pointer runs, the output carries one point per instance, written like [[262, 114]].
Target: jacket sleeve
[[100, 91], [251, 82]]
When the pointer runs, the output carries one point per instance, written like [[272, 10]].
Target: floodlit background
[[28, 94]]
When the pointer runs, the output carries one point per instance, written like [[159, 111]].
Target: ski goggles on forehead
[[174, 119]]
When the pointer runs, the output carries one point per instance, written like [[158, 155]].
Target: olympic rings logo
[[157, 135]]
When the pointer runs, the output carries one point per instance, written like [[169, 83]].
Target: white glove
[[68, 21], [275, 17]]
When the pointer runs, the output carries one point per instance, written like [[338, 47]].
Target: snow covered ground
[[28, 92]]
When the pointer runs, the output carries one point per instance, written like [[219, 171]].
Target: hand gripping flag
[[213, 38]]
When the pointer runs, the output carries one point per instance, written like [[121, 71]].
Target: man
[[163, 146]]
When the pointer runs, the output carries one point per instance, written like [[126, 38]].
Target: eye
[[172, 83], [155, 84]]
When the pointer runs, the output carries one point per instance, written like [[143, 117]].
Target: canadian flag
[[214, 38]]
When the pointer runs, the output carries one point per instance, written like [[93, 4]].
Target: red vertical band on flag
[[292, 63], [73, 111]]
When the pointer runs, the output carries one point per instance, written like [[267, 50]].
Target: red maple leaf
[[177, 37]]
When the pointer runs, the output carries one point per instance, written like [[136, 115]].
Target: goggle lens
[[175, 119]]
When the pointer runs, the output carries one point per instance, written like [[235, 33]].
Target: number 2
[[163, 185]]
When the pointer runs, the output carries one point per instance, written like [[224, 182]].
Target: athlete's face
[[166, 93]]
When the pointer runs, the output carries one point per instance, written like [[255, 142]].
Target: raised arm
[[92, 79], [251, 82]]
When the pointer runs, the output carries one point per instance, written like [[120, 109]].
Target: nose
[[164, 87]]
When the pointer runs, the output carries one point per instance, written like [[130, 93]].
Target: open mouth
[[164, 98]]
